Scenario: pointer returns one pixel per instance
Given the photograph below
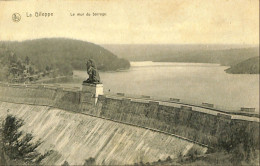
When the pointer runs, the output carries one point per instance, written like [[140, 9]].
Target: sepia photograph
[[129, 82]]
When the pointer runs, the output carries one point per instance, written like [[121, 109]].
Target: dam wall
[[203, 126], [74, 138], [45, 95]]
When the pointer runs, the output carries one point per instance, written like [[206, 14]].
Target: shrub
[[90, 161], [65, 163]]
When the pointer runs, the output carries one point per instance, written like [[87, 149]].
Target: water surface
[[196, 82]]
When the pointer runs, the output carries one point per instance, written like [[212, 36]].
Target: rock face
[[75, 137]]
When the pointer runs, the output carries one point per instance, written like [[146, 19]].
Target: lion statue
[[92, 72]]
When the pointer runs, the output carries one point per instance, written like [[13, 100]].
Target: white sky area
[[135, 22]]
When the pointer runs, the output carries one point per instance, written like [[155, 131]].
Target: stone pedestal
[[91, 91]]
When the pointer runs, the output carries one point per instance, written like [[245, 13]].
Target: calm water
[[193, 82]]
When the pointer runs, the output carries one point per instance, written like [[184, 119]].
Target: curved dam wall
[[68, 99], [75, 137], [203, 126], [197, 125]]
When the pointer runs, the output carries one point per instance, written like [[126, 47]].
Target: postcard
[[129, 82]]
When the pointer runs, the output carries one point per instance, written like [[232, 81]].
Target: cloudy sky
[[135, 22]]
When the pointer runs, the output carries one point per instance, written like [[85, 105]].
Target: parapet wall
[[196, 124], [67, 99]]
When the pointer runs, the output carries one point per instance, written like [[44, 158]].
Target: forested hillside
[[249, 66], [58, 54]]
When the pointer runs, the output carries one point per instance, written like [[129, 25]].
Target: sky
[[135, 21]]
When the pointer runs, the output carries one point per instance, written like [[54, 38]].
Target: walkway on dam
[[212, 111]]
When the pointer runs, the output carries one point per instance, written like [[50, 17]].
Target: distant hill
[[35, 59], [222, 54], [249, 66], [224, 57], [63, 53]]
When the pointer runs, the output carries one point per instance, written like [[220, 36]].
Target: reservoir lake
[[192, 82]]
